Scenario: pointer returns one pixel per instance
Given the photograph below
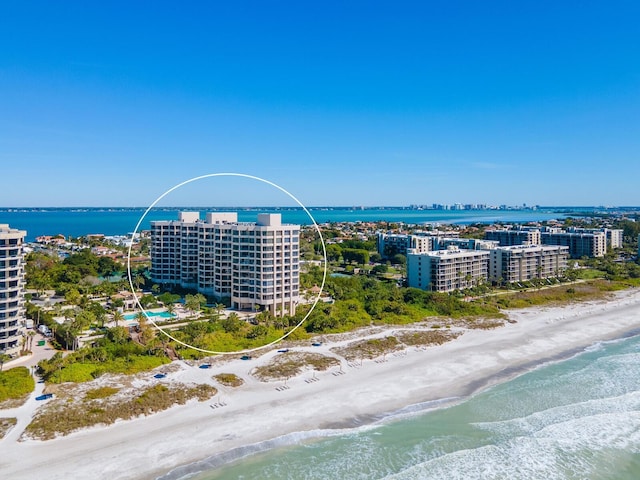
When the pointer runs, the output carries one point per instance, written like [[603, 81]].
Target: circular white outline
[[228, 174]]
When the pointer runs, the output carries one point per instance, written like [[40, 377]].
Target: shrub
[[15, 383], [229, 379], [6, 424], [101, 392]]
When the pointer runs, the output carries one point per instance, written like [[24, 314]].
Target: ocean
[[77, 222], [578, 418]]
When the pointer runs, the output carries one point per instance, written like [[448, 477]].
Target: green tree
[[117, 317], [380, 269], [375, 257], [138, 281], [194, 302], [399, 259], [232, 324], [361, 257], [333, 252]]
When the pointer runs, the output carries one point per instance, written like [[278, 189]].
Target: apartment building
[[254, 265], [12, 282], [390, 244], [465, 243], [447, 270], [521, 263], [613, 235], [508, 236], [580, 244]]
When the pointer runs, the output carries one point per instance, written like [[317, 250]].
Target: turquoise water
[[132, 316], [575, 419], [78, 222]]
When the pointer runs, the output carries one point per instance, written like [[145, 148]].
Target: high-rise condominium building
[[12, 281], [254, 265]]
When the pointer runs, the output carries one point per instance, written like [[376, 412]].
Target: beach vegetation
[[229, 379], [68, 415], [6, 424], [362, 301], [100, 392], [290, 364], [426, 338], [561, 294], [15, 386], [369, 348], [114, 353]]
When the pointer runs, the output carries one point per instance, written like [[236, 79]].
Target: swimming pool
[[154, 315]]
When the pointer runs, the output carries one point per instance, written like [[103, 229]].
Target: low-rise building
[[521, 263], [447, 270]]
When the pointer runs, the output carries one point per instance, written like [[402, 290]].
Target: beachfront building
[[12, 283], [580, 244], [510, 236], [254, 265], [521, 263], [447, 270]]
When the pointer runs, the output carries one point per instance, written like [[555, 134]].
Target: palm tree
[[138, 281], [194, 302], [118, 317], [31, 334]]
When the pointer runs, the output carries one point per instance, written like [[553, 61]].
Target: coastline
[[257, 415]]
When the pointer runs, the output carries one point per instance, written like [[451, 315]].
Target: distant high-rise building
[[12, 282], [254, 265]]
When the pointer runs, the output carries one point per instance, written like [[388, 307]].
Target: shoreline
[[258, 416], [416, 409]]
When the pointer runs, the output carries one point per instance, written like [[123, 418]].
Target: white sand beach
[[258, 411]]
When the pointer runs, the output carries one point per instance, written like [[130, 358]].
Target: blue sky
[[340, 103]]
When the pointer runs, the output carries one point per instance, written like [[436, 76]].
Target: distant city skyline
[[357, 103]]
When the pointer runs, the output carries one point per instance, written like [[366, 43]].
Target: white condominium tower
[[255, 265], [12, 282]]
